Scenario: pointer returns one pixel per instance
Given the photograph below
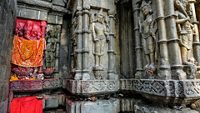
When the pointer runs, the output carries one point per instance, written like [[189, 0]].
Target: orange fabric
[[28, 53], [26, 105]]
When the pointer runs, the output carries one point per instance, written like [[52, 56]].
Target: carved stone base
[[99, 106], [169, 91], [89, 87], [35, 85]]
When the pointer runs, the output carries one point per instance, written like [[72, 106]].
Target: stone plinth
[[99, 106], [54, 101], [35, 85], [180, 91], [88, 87]]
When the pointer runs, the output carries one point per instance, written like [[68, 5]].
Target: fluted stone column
[[78, 75], [138, 47], [173, 42], [111, 51], [164, 68], [196, 43]]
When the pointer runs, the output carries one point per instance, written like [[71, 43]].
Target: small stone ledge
[[35, 85], [89, 87], [99, 106], [184, 90]]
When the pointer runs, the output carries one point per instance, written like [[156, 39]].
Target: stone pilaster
[[138, 46], [164, 67], [173, 42], [196, 43], [78, 74], [85, 48], [111, 51]]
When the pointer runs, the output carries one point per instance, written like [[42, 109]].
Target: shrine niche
[[93, 45], [52, 48], [28, 49]]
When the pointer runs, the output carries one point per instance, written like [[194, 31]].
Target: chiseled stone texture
[[88, 87], [99, 106], [7, 19], [165, 90]]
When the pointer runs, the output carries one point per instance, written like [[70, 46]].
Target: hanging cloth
[[28, 53], [26, 105]]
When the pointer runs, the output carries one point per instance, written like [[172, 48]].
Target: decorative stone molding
[[185, 90], [88, 87], [35, 85]]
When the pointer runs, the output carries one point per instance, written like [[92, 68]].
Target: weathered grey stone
[[99, 106], [59, 2], [7, 19], [91, 86], [44, 4], [52, 83], [3, 106], [185, 90], [32, 13], [54, 18], [147, 108]]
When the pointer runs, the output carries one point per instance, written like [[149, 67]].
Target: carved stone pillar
[[111, 52], [173, 42], [78, 74], [196, 43], [164, 68], [138, 46], [85, 49]]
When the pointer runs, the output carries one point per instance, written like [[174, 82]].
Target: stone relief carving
[[147, 30], [100, 35], [51, 40], [185, 30]]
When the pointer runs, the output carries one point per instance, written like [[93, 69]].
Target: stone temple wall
[[7, 19]]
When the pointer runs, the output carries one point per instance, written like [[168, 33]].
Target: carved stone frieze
[[35, 85], [52, 83], [91, 86], [26, 85], [186, 90]]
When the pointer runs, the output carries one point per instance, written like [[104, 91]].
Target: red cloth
[[30, 29], [26, 105]]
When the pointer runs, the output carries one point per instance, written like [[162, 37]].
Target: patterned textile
[[28, 53], [26, 105]]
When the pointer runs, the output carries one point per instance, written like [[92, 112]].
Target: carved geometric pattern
[[166, 88], [52, 83], [91, 86]]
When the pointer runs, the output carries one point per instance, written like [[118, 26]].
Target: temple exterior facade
[[101, 56]]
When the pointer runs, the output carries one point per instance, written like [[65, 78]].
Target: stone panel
[[54, 18], [91, 86], [26, 85], [32, 13], [52, 83], [59, 2], [99, 106], [108, 4], [53, 101]]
